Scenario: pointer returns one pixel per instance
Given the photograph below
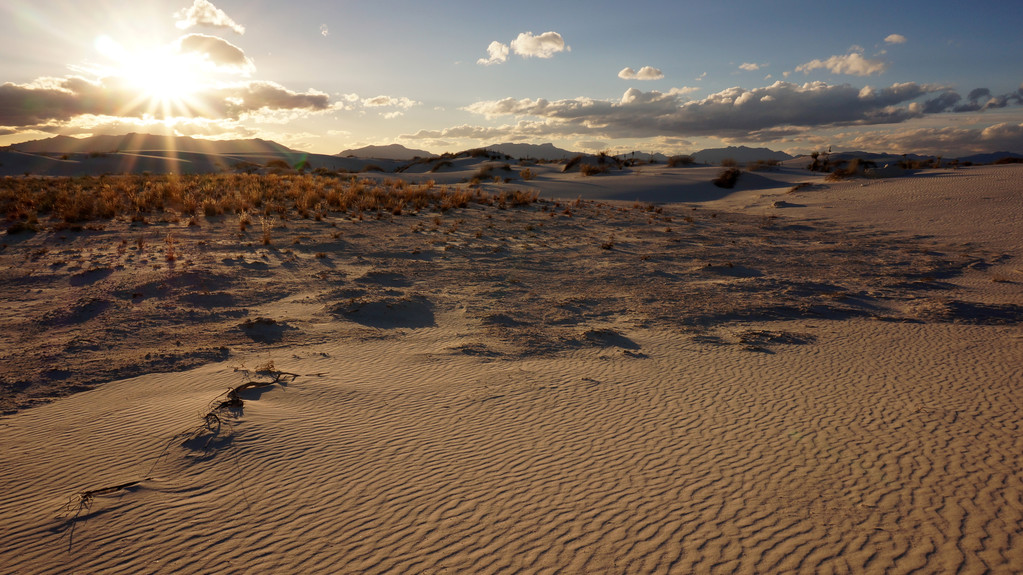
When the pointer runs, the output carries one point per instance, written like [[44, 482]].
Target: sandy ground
[[759, 381]]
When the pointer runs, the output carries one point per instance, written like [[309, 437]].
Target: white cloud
[[749, 66], [853, 64], [389, 101], [221, 53], [682, 91], [324, 30], [204, 13], [644, 73], [545, 45], [895, 39], [498, 54]]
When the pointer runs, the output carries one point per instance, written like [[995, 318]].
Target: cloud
[[941, 103], [645, 73], [545, 45], [498, 54], [749, 66], [389, 101], [734, 111], [324, 31], [895, 39], [53, 101], [852, 64], [219, 52], [946, 141], [204, 13]]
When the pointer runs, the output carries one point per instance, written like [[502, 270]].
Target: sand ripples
[[696, 458]]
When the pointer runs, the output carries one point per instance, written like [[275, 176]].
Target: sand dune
[[727, 384]]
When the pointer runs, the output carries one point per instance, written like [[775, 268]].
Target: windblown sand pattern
[[619, 390]]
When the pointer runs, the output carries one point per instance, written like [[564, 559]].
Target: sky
[[668, 76]]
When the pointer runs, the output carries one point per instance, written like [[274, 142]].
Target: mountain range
[[149, 142], [134, 142]]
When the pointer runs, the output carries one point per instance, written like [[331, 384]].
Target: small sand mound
[[388, 312]]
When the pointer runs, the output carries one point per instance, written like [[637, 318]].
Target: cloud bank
[[50, 101], [781, 112]]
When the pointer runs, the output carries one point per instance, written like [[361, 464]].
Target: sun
[[160, 76]]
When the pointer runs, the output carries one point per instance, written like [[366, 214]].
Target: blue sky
[[322, 76]]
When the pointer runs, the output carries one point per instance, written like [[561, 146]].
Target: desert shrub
[[371, 168], [848, 169], [727, 178], [485, 172], [527, 174], [592, 170], [278, 164], [1003, 161], [729, 163], [572, 163], [677, 161]]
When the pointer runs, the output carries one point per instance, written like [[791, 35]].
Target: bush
[[591, 170], [727, 178], [527, 174], [676, 161], [729, 163]]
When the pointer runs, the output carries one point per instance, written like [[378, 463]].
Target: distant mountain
[[390, 152], [536, 151], [740, 154], [149, 142], [989, 158]]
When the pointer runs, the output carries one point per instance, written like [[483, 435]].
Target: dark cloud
[[942, 103], [978, 93]]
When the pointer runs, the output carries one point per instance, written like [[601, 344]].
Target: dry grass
[[28, 204]]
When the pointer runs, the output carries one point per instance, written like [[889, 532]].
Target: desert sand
[[640, 373]]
